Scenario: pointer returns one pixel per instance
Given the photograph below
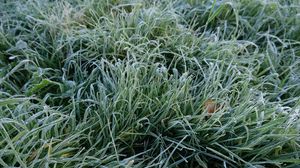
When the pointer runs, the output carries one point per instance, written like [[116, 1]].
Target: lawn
[[158, 83]]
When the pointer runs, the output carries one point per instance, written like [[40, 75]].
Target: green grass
[[113, 83]]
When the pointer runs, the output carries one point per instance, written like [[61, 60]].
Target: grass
[[119, 83]]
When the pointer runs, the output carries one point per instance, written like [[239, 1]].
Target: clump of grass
[[125, 83]]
